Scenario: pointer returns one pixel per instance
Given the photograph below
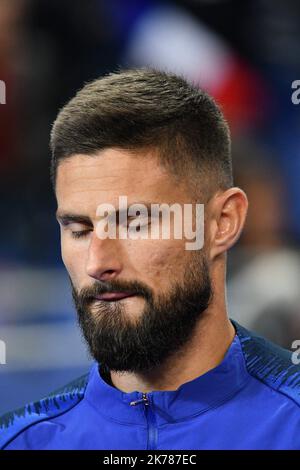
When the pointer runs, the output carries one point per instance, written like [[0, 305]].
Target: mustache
[[88, 294]]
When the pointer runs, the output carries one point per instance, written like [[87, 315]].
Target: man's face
[[170, 286]]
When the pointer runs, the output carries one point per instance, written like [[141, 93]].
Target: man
[[171, 370]]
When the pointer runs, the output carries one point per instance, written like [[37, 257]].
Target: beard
[[163, 328]]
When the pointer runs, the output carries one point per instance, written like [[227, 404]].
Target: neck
[[207, 348]]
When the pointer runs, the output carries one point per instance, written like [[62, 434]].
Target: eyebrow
[[65, 218]]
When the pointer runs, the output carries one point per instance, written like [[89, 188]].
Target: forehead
[[86, 181]]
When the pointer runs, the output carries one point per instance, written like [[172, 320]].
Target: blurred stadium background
[[246, 54]]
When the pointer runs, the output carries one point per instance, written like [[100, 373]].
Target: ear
[[227, 215]]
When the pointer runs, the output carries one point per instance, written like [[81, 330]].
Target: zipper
[[144, 399], [151, 420]]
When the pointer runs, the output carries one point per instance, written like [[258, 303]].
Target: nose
[[103, 262]]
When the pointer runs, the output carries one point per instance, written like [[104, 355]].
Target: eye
[[80, 233]]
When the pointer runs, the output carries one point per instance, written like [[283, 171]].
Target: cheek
[[73, 259], [162, 263], [160, 260]]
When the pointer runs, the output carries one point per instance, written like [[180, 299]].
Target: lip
[[114, 296]]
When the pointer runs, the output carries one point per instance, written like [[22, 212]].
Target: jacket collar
[[209, 390]]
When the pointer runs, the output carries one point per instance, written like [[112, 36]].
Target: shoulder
[[269, 363], [12, 424]]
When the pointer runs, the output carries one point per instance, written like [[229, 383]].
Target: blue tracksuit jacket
[[251, 400]]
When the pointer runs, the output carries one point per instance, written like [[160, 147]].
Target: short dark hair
[[145, 108]]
